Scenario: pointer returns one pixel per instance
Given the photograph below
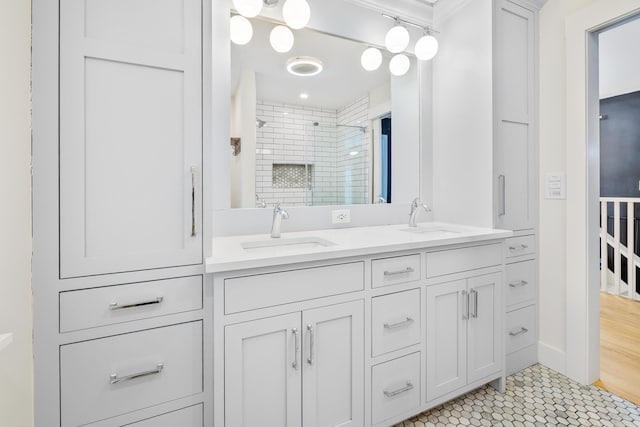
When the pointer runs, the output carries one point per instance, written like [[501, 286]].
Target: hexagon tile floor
[[535, 397]]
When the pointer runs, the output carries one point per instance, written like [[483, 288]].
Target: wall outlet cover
[[342, 216]]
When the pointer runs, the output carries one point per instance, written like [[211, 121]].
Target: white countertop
[[5, 340], [229, 254]]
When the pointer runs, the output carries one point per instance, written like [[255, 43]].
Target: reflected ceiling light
[[241, 30], [399, 65], [304, 96], [296, 13], [427, 47], [248, 8], [397, 38], [304, 66], [371, 59], [353, 153], [281, 39]]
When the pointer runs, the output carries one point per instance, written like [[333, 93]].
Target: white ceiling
[[342, 81], [619, 60]]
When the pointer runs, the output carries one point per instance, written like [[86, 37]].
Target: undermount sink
[[431, 230], [294, 244]]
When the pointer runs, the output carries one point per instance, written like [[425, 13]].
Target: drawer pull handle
[[296, 348], [406, 388], [311, 344], [115, 379], [518, 248], [397, 272], [518, 284], [115, 306], [522, 330], [395, 325]]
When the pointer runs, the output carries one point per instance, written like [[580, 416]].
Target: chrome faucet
[[260, 203], [416, 204], [278, 215]]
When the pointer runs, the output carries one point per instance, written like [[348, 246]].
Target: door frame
[[583, 189]]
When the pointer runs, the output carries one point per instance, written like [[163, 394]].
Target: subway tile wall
[[339, 155]]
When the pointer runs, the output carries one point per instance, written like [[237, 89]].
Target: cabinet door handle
[[397, 272], [193, 200], [518, 284], [311, 344], [406, 388], [296, 348], [465, 305], [116, 306], [406, 321], [521, 331], [503, 195], [473, 292], [115, 379]]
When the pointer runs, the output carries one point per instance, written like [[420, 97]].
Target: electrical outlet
[[341, 216]]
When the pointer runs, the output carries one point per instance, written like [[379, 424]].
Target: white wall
[[463, 120], [16, 361], [619, 60]]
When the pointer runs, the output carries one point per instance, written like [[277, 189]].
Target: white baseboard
[[552, 357]]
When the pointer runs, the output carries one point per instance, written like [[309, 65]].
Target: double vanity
[[355, 326]]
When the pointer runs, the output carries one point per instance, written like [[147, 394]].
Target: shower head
[[260, 123]]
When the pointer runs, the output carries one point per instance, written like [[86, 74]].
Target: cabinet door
[[262, 380], [515, 201], [447, 311], [130, 135], [333, 380], [485, 331]]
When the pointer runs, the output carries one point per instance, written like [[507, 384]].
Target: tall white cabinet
[[515, 170], [120, 305]]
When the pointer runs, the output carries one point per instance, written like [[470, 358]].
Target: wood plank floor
[[620, 346]]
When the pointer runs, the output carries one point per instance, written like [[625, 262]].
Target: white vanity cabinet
[[296, 369]]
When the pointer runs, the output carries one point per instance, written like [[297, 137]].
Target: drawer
[[391, 271], [521, 328], [187, 417], [464, 259], [267, 290], [395, 387], [521, 282], [115, 375], [518, 246], [90, 308], [395, 321]]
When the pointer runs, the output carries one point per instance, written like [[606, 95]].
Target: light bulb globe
[[281, 39], [426, 48], [371, 59], [248, 8], [399, 65], [296, 13], [397, 39], [240, 29]]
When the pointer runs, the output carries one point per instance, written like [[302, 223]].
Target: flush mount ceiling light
[[248, 8], [426, 47], [397, 38], [371, 59], [240, 29], [305, 66], [281, 39], [304, 96], [296, 13], [399, 65]]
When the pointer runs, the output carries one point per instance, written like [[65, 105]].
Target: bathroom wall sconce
[[237, 146]]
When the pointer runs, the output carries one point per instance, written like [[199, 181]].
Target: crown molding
[[418, 11]]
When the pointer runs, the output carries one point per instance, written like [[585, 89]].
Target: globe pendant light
[[248, 8], [399, 65], [371, 59], [427, 47], [397, 39], [281, 39], [296, 13], [241, 30]]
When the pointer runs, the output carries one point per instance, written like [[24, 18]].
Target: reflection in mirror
[[309, 140]]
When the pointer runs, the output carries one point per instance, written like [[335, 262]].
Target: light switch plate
[[342, 216]]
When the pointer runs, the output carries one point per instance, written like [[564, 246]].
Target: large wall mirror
[[343, 136]]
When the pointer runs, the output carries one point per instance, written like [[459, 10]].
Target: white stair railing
[[611, 281]]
